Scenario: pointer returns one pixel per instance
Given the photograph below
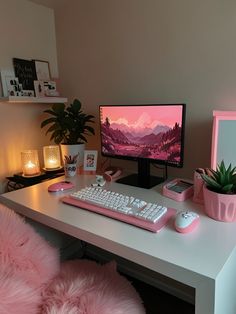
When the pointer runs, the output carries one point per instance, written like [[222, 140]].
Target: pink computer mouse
[[60, 186], [186, 221]]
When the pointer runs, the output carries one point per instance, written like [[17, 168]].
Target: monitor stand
[[142, 179]]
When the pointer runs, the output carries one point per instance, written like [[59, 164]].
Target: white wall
[[27, 31], [135, 51]]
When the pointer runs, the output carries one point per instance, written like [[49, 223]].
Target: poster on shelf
[[26, 73]]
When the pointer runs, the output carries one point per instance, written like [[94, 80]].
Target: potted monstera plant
[[69, 126], [220, 193]]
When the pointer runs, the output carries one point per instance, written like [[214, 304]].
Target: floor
[[159, 302]]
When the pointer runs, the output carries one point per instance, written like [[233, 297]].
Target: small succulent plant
[[222, 180]]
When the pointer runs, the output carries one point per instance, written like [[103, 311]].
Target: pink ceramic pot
[[218, 206]]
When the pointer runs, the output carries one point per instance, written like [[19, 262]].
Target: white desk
[[204, 259]]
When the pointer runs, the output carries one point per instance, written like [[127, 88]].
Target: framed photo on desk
[[90, 160]]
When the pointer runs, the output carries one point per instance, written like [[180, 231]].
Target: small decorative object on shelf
[[6, 77], [30, 163], [39, 89], [52, 159], [45, 89]]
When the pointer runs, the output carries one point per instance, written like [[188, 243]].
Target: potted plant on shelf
[[69, 127], [220, 193]]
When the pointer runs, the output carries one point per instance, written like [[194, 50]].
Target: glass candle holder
[[51, 156], [30, 163]]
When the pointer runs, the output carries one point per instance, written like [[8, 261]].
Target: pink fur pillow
[[16, 296], [24, 251], [27, 262], [85, 287]]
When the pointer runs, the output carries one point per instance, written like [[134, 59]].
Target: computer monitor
[[144, 133]]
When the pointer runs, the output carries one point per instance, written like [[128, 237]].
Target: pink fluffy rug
[[16, 296], [84, 287], [22, 249], [27, 263]]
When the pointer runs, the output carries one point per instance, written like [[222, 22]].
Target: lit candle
[[30, 168], [51, 155], [52, 163], [30, 162]]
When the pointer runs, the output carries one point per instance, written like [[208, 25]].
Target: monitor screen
[[146, 133]]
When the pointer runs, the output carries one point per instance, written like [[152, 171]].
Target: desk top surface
[[184, 257]]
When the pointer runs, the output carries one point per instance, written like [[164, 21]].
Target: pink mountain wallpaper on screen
[[142, 131]]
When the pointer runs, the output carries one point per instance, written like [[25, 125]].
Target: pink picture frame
[[223, 145]]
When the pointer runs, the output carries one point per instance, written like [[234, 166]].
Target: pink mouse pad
[[60, 186]]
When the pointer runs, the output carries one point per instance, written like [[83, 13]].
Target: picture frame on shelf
[[6, 75], [26, 73], [90, 160], [14, 88], [50, 89], [39, 89], [45, 89], [42, 70]]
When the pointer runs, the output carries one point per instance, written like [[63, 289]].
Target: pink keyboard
[[149, 216]]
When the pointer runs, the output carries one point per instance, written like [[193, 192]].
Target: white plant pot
[[72, 150]]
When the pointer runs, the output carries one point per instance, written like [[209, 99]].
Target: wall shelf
[[42, 100]]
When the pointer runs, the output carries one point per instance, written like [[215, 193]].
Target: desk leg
[[205, 298], [218, 296]]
